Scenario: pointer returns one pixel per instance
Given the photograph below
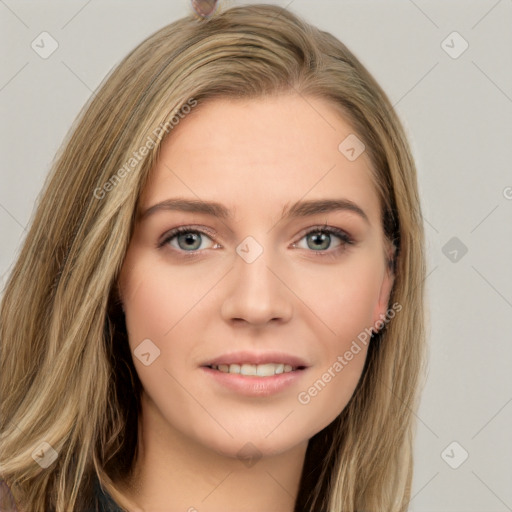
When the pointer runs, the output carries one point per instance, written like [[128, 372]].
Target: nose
[[256, 293]]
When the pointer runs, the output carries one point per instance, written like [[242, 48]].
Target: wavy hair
[[65, 363]]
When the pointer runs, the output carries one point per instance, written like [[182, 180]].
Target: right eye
[[185, 239]]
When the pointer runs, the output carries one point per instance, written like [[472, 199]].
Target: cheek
[[159, 306], [147, 311], [343, 297], [157, 297]]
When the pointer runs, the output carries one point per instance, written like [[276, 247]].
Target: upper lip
[[256, 358]]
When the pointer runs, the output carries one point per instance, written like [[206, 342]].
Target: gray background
[[457, 113]]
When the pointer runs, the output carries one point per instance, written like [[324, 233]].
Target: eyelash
[[345, 239]]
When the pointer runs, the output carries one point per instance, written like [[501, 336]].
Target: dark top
[[104, 502]]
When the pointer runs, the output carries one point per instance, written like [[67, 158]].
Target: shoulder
[[104, 501]]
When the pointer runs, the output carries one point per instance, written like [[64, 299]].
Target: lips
[[255, 374], [246, 359]]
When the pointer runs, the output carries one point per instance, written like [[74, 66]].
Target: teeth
[[256, 370], [248, 369]]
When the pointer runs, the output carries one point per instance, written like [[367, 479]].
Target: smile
[[256, 370]]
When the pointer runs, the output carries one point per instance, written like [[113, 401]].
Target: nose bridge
[[255, 294]]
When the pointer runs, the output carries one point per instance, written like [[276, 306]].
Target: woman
[[228, 310]]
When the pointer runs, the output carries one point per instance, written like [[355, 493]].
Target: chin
[[250, 443]]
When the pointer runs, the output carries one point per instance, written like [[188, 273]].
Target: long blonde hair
[[66, 374]]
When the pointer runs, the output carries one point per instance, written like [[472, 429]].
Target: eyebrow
[[298, 209]]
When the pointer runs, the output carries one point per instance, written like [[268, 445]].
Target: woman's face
[[280, 266]]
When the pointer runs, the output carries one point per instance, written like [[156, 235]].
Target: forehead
[[267, 151]]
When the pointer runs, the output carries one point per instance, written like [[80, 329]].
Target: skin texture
[[254, 157]]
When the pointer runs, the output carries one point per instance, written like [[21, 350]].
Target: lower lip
[[253, 385]]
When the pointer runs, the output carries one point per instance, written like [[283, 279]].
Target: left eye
[[320, 239]]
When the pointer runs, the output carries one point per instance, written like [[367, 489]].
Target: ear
[[388, 280]]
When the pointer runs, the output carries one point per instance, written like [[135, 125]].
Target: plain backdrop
[[447, 68]]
